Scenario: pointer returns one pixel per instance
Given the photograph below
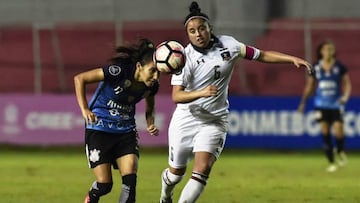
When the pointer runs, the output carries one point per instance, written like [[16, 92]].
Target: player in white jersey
[[199, 123]]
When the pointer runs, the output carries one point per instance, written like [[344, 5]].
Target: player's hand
[[301, 108], [343, 100], [153, 130], [298, 62], [89, 116], [209, 91]]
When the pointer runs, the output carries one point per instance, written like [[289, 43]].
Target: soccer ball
[[169, 57]]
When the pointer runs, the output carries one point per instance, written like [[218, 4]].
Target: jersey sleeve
[[247, 52], [343, 70], [315, 70], [155, 89], [112, 73]]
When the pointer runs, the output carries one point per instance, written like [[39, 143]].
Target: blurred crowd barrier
[[265, 122]]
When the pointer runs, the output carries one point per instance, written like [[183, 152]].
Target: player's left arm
[[150, 115], [278, 57], [346, 85]]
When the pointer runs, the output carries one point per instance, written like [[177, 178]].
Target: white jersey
[[212, 68]]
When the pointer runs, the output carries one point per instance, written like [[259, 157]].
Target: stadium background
[[44, 43]]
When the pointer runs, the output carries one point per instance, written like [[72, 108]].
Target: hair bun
[[194, 7], [145, 44], [150, 45]]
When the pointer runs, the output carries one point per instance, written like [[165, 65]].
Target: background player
[[111, 137], [333, 91], [199, 123]]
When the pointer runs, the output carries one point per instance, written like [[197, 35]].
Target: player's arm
[[150, 115], [179, 95], [277, 57], [80, 81], [346, 88], [309, 88]]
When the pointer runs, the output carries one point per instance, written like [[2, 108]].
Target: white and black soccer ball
[[169, 57]]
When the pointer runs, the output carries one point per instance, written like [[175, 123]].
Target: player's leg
[[182, 129], [96, 152], [126, 152], [179, 156], [169, 178], [328, 145], [209, 143], [102, 185], [203, 163], [338, 128], [128, 165]]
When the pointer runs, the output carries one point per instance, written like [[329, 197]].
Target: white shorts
[[188, 134]]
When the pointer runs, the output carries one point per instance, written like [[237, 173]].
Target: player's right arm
[[179, 95], [309, 87], [80, 81], [346, 88]]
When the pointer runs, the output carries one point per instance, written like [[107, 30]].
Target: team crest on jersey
[[114, 70], [127, 83], [336, 70], [226, 56]]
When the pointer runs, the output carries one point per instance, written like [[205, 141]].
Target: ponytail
[[141, 52]]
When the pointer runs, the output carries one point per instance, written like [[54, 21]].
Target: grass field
[[62, 176]]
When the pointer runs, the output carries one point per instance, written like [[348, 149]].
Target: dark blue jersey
[[115, 99], [328, 90]]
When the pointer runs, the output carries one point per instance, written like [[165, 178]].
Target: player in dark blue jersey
[[332, 93], [110, 136]]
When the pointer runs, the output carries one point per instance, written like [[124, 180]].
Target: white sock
[[193, 188], [168, 181]]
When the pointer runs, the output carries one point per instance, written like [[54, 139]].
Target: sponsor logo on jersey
[[118, 90], [123, 107], [327, 84], [200, 61], [114, 70]]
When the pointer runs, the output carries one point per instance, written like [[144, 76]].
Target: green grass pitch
[[58, 176]]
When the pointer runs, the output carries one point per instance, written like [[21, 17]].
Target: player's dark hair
[[141, 52], [195, 11], [319, 56]]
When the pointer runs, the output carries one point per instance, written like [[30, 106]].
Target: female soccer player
[[333, 91], [110, 135], [199, 123]]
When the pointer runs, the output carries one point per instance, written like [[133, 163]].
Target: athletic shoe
[[87, 199], [168, 200], [331, 168], [342, 159]]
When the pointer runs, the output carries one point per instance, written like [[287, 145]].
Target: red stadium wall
[[86, 46], [273, 79]]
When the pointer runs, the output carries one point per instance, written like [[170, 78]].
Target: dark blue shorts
[[329, 115], [103, 147]]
